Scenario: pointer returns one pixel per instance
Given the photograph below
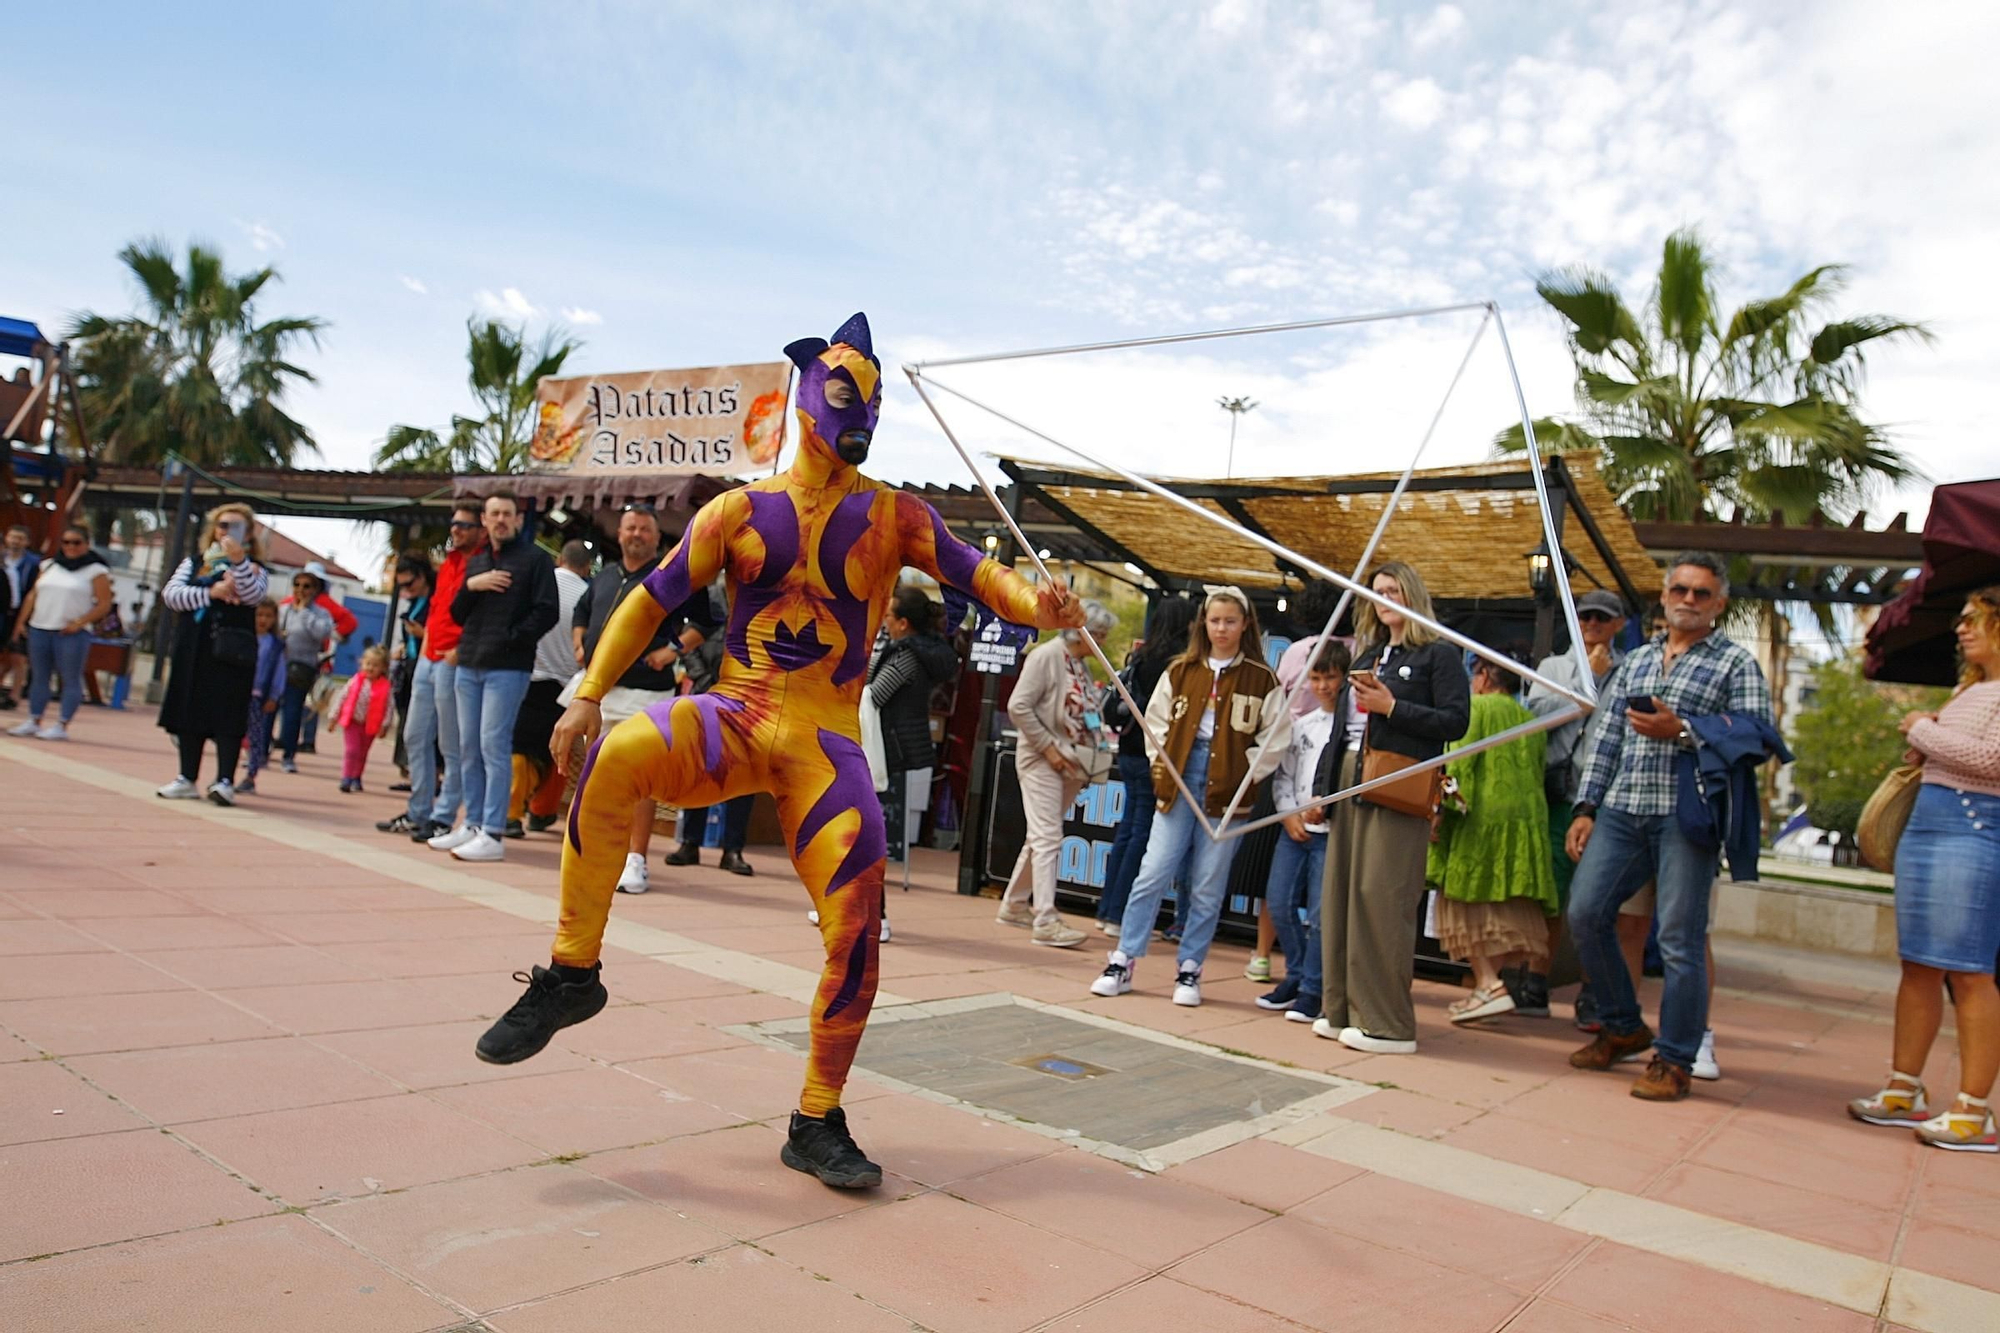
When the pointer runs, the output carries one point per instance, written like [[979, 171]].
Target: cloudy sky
[[685, 184]]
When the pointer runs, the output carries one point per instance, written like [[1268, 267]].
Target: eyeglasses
[[1683, 591], [459, 523], [404, 585]]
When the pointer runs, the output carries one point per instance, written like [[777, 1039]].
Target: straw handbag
[[1887, 811]]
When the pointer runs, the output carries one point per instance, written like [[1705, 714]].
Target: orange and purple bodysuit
[[811, 558]]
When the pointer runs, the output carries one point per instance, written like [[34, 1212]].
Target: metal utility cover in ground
[[1136, 1096]]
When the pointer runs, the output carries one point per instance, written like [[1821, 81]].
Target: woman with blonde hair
[[1948, 900], [215, 651], [1411, 699], [1217, 715]]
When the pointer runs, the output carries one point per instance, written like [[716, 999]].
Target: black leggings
[[228, 749]]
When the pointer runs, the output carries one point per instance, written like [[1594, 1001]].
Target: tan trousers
[[1368, 913], [1046, 797]]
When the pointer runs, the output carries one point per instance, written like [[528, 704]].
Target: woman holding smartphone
[[1411, 699], [215, 652]]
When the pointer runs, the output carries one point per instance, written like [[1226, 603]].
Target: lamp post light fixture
[[1541, 570], [1235, 407]]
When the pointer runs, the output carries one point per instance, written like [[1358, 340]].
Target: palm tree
[[1746, 416], [497, 441], [194, 372]]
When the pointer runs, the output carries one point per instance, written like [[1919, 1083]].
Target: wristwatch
[[1583, 810]]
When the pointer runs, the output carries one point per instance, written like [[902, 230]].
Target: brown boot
[[1661, 1082], [1607, 1048]]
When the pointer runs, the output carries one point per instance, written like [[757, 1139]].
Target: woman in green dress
[[1491, 861]]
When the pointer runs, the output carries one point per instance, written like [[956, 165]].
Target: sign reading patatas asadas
[[712, 419]]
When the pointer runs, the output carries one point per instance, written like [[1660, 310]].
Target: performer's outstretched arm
[[693, 563], [930, 546]]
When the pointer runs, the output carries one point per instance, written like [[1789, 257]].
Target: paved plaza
[[237, 1092]]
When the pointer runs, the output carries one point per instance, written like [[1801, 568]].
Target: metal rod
[[1416, 312]]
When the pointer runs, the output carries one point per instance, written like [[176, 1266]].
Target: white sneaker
[[1354, 1039], [482, 846], [1323, 1027], [180, 789], [222, 793], [28, 728], [54, 731], [885, 930], [1187, 985], [453, 837], [1116, 979], [635, 879], [1704, 1065]]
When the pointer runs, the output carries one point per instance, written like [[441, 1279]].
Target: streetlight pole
[[1235, 407]]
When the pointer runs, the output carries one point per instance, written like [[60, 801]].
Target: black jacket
[[901, 684], [607, 592], [501, 627], [1433, 699]]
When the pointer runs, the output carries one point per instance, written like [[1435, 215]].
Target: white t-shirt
[[1292, 784], [62, 595], [1205, 730]]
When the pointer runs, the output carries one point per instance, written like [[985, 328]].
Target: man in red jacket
[[431, 729]]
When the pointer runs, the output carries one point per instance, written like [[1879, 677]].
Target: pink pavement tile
[[349, 1149], [438, 1055], [643, 980], [448, 923], [35, 935], [1407, 1112], [1161, 1303], [1447, 1078], [39, 1099], [512, 1236], [255, 965], [1602, 1104], [13, 1048], [1325, 1279], [937, 1144], [950, 1265], [640, 1032], [108, 1187], [1830, 1217], [149, 934], [277, 1272], [45, 976], [1954, 1199], [1517, 1252], [1654, 1294], [1151, 1220], [754, 1082], [728, 1010], [732, 1180], [1948, 1251], [737, 1288], [347, 1006], [497, 957], [1629, 1163], [1863, 1162], [1552, 1317], [1266, 1175], [183, 1083], [85, 904], [585, 1110], [83, 1024]]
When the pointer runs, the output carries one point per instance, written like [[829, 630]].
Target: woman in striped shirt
[[215, 651]]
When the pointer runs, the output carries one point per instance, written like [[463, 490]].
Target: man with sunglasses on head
[[1624, 830], [653, 677], [1601, 617], [431, 729]]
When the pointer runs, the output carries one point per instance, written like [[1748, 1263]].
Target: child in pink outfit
[[363, 714]]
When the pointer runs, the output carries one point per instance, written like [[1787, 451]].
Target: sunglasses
[[1596, 617], [459, 523], [74, 541], [640, 507], [1686, 593]]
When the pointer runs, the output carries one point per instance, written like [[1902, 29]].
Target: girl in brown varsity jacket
[[1217, 714]]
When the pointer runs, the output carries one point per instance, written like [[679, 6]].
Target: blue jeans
[[1624, 852], [1177, 838], [1128, 844], [52, 653], [291, 711], [1297, 868], [430, 727], [487, 702]]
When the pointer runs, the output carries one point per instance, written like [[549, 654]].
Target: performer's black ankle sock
[[571, 975]]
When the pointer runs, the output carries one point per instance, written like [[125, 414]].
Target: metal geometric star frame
[[1580, 703]]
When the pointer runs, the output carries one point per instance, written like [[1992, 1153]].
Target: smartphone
[[1363, 674], [1640, 703]]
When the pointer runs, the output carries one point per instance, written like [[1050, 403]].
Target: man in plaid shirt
[[1625, 832]]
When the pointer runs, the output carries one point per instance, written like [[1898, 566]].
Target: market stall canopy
[[1468, 529], [20, 337], [1911, 641]]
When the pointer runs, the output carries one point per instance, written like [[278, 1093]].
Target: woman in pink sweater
[[363, 715], [1948, 900]]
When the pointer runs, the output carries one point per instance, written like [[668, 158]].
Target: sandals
[[1486, 1002], [1902, 1107], [1967, 1127]]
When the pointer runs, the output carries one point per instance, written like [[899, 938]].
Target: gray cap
[[1600, 599]]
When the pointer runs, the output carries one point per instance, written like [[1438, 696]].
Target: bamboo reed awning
[[1466, 529]]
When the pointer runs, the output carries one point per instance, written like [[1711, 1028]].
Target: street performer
[[811, 558]]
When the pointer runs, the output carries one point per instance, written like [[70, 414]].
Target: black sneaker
[[735, 864], [399, 786], [542, 823], [1529, 989], [684, 855], [427, 830], [1586, 1012], [546, 1008], [1305, 1009], [515, 829], [400, 824], [1281, 997], [825, 1149]]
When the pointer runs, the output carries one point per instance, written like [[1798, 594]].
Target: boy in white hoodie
[[1298, 862]]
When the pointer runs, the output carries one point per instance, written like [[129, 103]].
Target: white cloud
[[1416, 104], [578, 315], [263, 237], [413, 284], [1442, 25], [509, 304], [1229, 16]]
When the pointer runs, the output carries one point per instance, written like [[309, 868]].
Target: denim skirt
[[1948, 881]]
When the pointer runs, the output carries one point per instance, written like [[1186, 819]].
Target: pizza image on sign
[[713, 420]]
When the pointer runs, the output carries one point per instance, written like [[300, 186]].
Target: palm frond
[[1684, 297], [1551, 437], [1600, 324], [1836, 361]]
